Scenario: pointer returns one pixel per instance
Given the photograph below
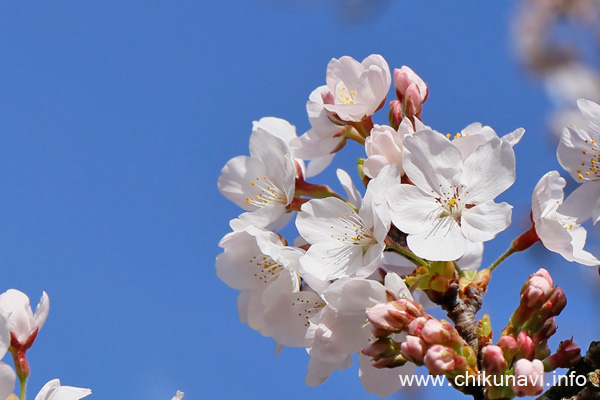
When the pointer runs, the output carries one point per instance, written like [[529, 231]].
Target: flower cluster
[[364, 265]]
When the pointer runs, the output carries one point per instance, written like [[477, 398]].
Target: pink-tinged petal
[[444, 243], [484, 221], [310, 146], [489, 171], [382, 381], [582, 202], [411, 210], [7, 380], [431, 162]]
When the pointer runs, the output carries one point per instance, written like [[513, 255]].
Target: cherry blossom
[[579, 154], [344, 241], [557, 231], [23, 323], [358, 89], [451, 201], [262, 183]]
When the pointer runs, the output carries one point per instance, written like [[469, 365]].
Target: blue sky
[[116, 118]]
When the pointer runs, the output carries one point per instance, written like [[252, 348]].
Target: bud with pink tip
[[416, 326], [509, 347], [439, 359], [525, 345], [567, 355], [492, 360], [411, 90], [436, 332], [394, 316], [414, 349], [537, 289], [548, 329], [529, 378]]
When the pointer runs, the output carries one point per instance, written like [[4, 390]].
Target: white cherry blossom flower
[[558, 232], [339, 329], [358, 89], [384, 146], [579, 154], [345, 242], [23, 323], [263, 183], [451, 201], [253, 260], [54, 391]]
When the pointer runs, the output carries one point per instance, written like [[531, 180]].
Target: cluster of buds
[[522, 351], [426, 341]]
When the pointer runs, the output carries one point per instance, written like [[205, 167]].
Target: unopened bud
[[493, 360], [537, 289], [414, 349], [416, 326], [529, 378], [395, 115], [439, 360], [567, 355], [526, 349], [509, 347], [386, 353]]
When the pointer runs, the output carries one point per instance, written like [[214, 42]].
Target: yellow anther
[[580, 176]]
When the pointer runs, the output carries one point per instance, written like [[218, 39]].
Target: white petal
[[381, 381], [484, 221], [412, 210], [431, 161], [489, 171], [352, 193], [319, 370], [54, 391], [444, 243], [582, 203]]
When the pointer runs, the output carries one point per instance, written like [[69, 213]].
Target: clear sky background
[[115, 120]]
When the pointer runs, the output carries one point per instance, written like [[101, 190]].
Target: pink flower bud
[[416, 326], [395, 115], [529, 378], [555, 303], [567, 355], [493, 360], [509, 347], [433, 332], [405, 77], [385, 316], [548, 329], [414, 349], [537, 289], [525, 345], [439, 359]]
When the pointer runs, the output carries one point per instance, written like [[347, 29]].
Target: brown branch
[[589, 368]]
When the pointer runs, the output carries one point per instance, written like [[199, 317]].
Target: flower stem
[[23, 388], [405, 253], [503, 257]]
